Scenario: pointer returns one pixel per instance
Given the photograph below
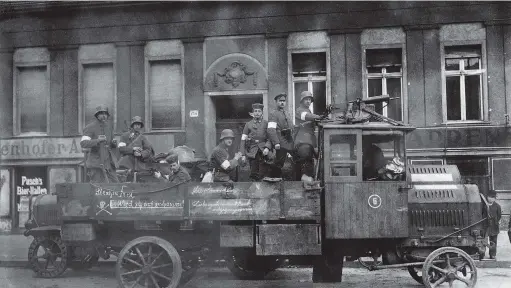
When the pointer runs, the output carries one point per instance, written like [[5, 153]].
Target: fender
[[42, 231]]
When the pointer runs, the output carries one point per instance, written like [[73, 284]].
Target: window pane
[[309, 63], [452, 88], [165, 90], [393, 69], [472, 63], [98, 89], [375, 89], [374, 70], [394, 90], [463, 51], [343, 147], [452, 64], [383, 57], [343, 169], [473, 97], [299, 88], [32, 98], [319, 93]]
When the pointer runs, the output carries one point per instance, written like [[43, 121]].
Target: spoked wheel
[[246, 265], [149, 262], [48, 256], [416, 273], [449, 265]]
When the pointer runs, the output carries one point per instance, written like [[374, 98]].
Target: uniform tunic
[[279, 120], [305, 121], [126, 143], [254, 138], [100, 159], [493, 223], [219, 161]]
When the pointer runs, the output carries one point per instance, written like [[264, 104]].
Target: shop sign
[[30, 182], [459, 137], [40, 148]]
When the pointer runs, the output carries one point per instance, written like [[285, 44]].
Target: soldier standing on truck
[[255, 143], [177, 174], [134, 147], [219, 159], [280, 133], [305, 140], [98, 138]]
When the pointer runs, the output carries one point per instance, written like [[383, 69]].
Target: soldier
[[280, 134], [495, 213], [177, 174], [255, 143], [134, 147], [305, 140], [98, 137], [219, 159]]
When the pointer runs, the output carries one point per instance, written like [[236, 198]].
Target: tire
[[416, 273], [456, 265], [245, 265], [140, 260], [49, 249]]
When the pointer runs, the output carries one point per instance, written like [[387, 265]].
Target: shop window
[[310, 74], [31, 91], [164, 85], [500, 170], [97, 84], [463, 77], [384, 76], [5, 192]]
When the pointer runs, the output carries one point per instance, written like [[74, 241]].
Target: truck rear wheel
[[246, 265], [48, 256]]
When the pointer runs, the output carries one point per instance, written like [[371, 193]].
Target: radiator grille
[[428, 170], [434, 194], [437, 218]]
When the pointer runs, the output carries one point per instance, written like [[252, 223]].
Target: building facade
[[191, 69]]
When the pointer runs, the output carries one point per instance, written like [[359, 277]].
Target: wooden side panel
[[415, 66], [288, 239], [496, 78], [236, 236], [366, 210], [299, 203]]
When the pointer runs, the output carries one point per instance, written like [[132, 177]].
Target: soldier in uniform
[[495, 213], [135, 148], [219, 159], [255, 143], [280, 134], [98, 139], [305, 139], [176, 175]]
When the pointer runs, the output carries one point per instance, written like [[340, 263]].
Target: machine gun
[[358, 112]]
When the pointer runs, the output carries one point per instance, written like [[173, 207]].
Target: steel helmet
[[226, 133], [306, 94], [137, 119], [100, 109]]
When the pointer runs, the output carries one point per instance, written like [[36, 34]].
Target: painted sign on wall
[[37, 148]]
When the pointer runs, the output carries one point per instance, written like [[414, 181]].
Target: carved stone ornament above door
[[235, 72]]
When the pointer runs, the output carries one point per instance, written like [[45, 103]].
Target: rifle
[[102, 154]]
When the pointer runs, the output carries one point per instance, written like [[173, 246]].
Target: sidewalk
[[14, 250]]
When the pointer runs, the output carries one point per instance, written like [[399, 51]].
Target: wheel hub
[[146, 269]]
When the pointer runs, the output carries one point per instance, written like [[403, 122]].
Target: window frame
[[40, 57], [156, 51], [484, 83], [493, 159], [327, 161], [366, 76], [309, 79], [90, 55]]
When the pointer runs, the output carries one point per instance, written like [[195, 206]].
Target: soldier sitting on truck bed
[[176, 174]]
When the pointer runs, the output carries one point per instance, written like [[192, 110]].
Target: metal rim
[[48, 256], [449, 265], [149, 262]]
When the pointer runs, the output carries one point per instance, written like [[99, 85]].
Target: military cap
[[172, 158], [306, 94], [100, 109], [492, 193], [257, 106], [226, 133], [280, 95], [137, 119]]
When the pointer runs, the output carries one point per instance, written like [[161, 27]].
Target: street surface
[[215, 277]]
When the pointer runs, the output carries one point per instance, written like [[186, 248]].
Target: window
[[97, 81], [164, 86], [343, 155], [5, 192], [309, 74], [32, 91], [500, 177], [384, 73], [463, 74]]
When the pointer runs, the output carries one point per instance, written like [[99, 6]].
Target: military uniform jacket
[[219, 161], [493, 223], [305, 127], [98, 151], [277, 121], [254, 138], [126, 143], [178, 177]]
